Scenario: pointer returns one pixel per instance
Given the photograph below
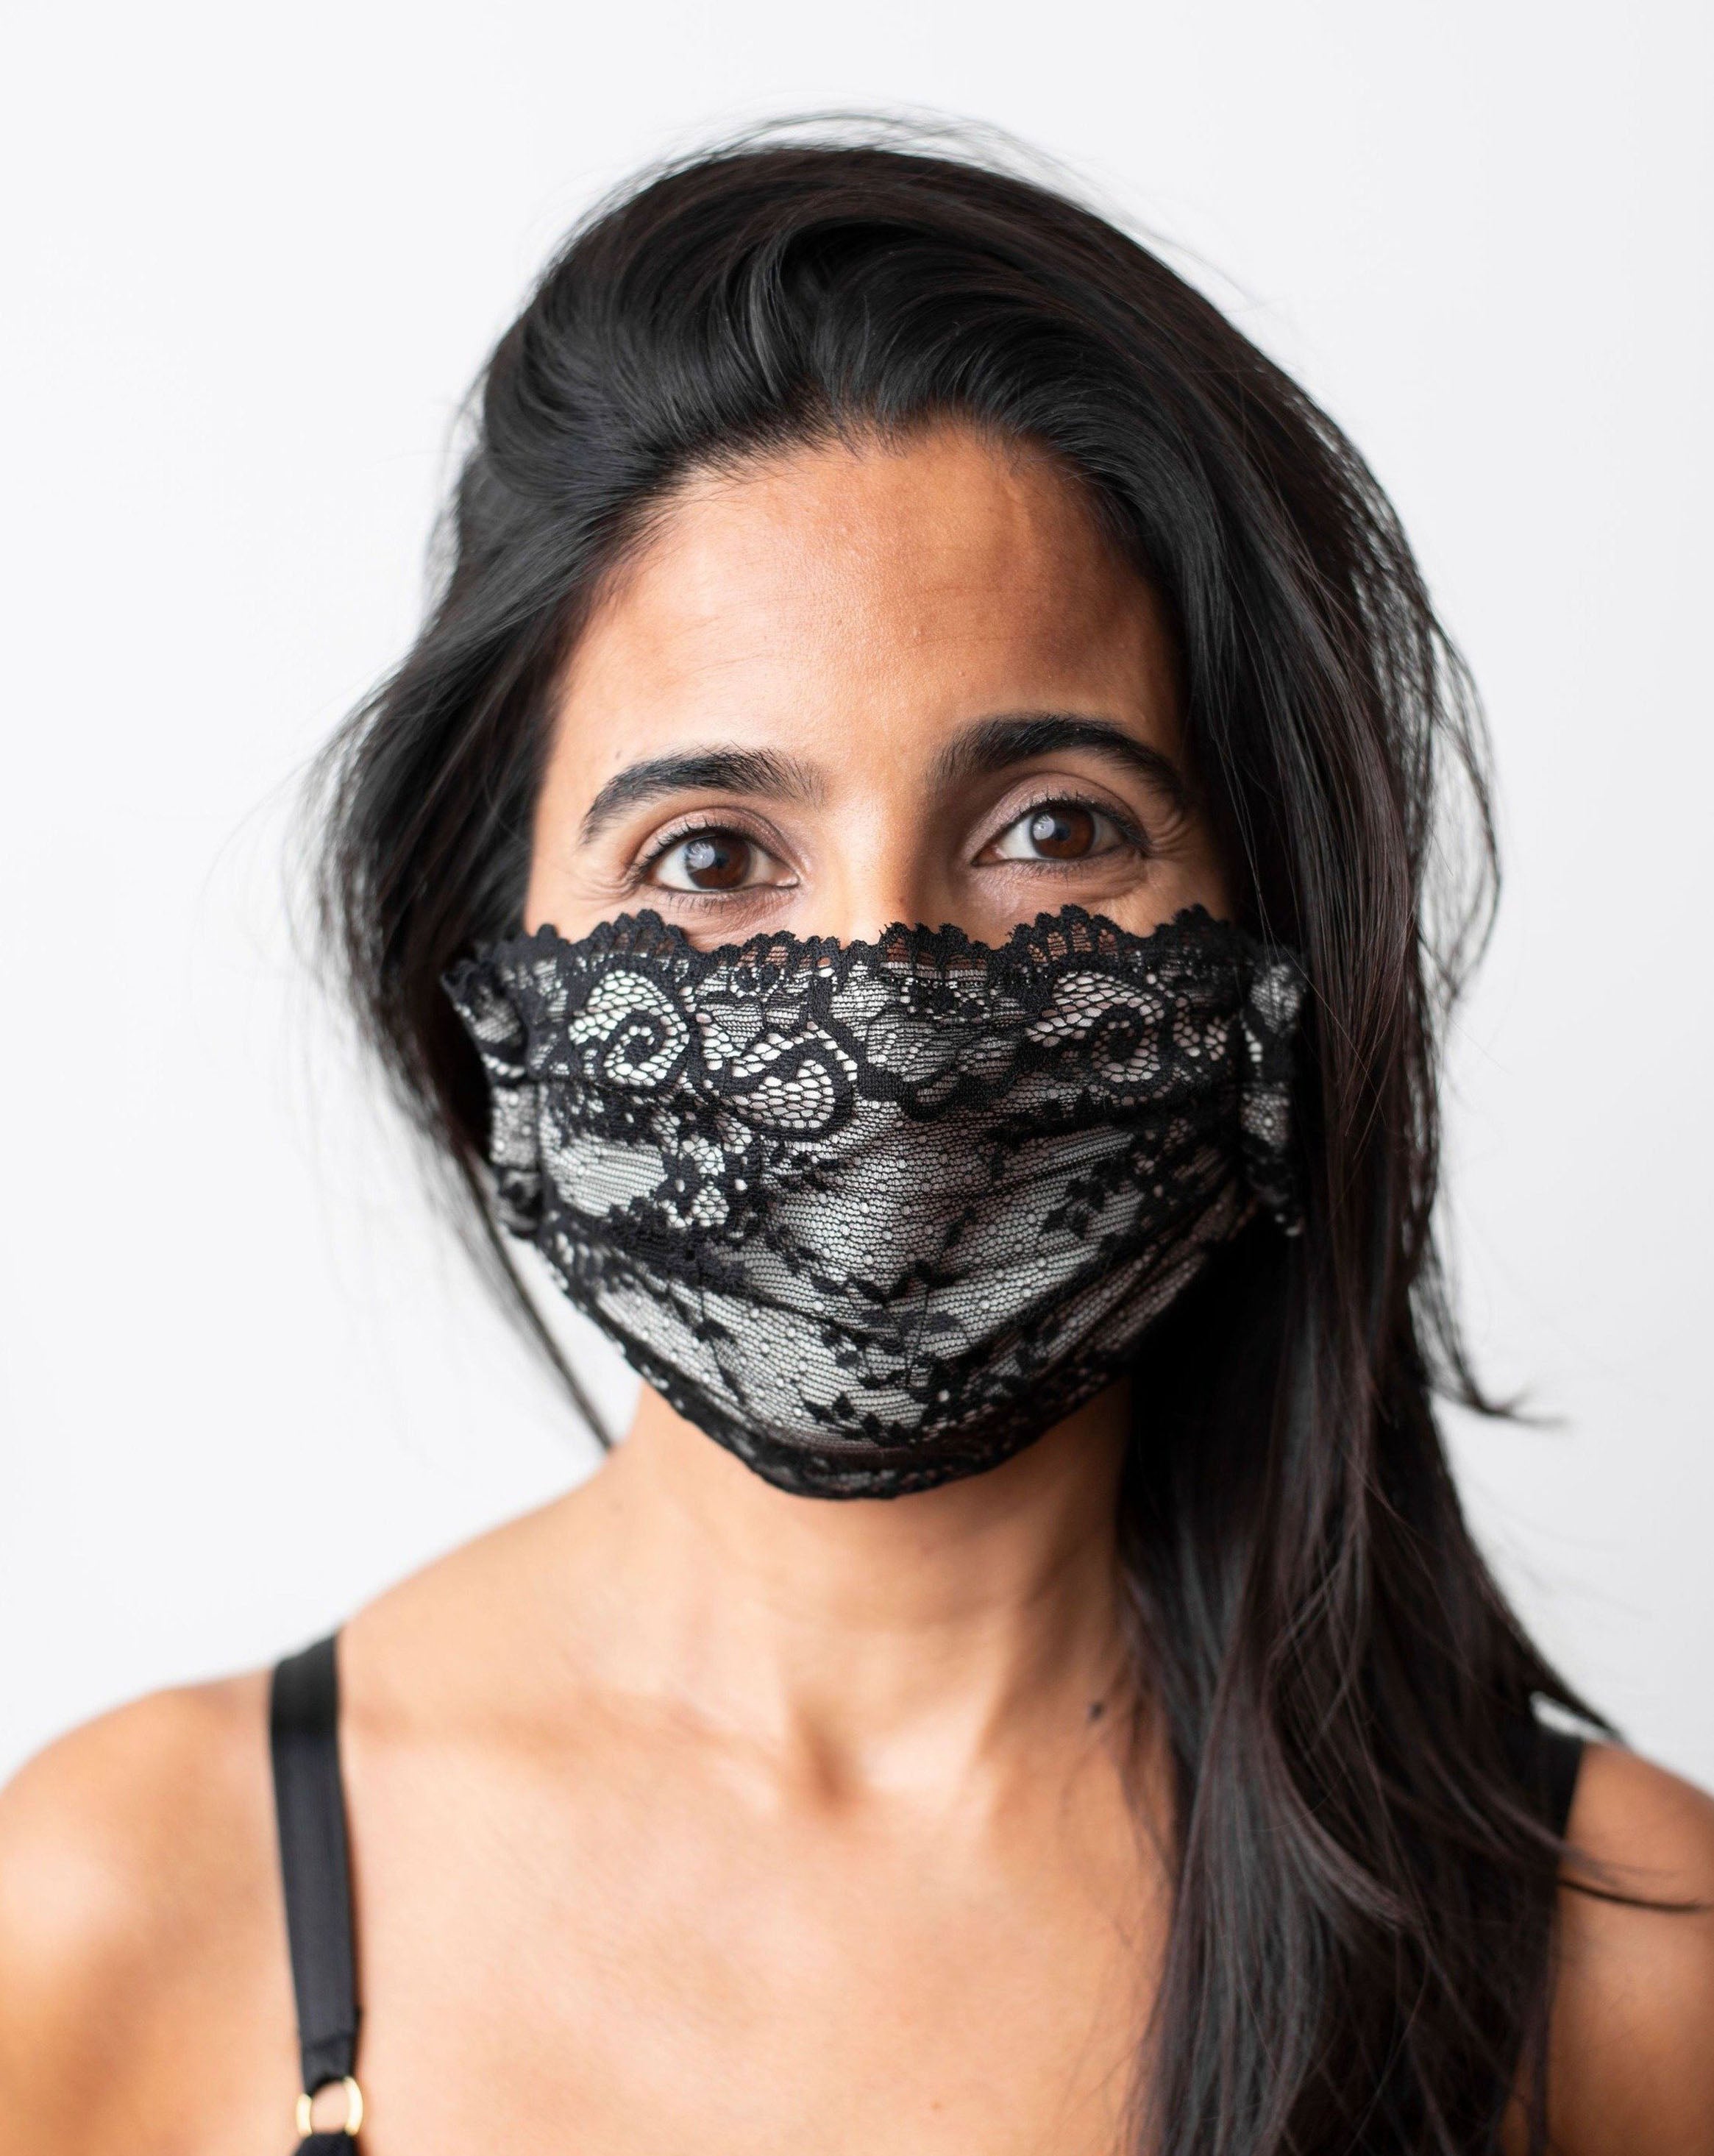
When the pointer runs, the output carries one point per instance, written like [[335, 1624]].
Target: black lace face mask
[[874, 1215]]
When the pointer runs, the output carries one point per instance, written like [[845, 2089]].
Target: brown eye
[[1063, 832], [715, 861], [1058, 831], [712, 861]]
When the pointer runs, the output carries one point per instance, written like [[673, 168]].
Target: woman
[[900, 861]]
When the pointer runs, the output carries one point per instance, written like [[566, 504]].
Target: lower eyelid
[[710, 901]]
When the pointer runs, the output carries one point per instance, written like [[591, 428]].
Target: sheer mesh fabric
[[874, 1215]]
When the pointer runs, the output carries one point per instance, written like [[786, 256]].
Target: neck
[[882, 1643]]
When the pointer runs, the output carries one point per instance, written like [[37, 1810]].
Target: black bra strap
[[315, 1866]]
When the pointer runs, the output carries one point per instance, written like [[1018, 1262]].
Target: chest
[[669, 1960]]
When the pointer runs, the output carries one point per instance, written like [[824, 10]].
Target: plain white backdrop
[[253, 257]]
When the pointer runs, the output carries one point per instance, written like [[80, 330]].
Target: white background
[[253, 257]]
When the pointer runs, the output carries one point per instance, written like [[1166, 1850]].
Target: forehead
[[946, 573]]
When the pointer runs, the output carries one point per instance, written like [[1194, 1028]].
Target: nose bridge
[[875, 875], [886, 845]]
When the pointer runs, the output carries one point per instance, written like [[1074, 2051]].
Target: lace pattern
[[874, 1215]]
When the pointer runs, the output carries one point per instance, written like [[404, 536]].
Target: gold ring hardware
[[353, 2110]]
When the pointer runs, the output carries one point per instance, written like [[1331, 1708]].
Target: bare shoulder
[[1632, 2062], [142, 1949]]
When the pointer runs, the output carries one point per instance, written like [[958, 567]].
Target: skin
[[688, 1815]]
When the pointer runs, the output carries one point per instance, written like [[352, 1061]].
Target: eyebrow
[[994, 744], [991, 746], [711, 770]]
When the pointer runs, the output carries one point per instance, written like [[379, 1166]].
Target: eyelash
[[1130, 832], [675, 835]]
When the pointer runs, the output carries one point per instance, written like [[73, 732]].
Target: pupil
[[716, 860], [1064, 831]]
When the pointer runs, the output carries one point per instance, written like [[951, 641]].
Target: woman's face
[[843, 687]]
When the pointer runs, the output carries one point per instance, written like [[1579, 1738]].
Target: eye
[[713, 861], [1057, 831]]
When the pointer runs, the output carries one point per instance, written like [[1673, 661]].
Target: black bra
[[315, 1868]]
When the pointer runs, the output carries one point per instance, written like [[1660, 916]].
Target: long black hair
[[1365, 1868]]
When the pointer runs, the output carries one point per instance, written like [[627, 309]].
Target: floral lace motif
[[875, 1214]]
